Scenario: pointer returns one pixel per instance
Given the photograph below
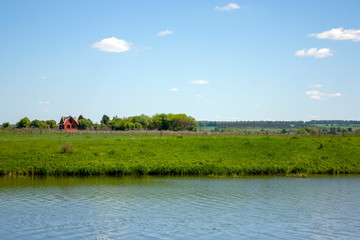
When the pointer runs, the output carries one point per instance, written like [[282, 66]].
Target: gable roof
[[63, 120]]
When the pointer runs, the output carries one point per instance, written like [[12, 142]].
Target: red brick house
[[68, 123]]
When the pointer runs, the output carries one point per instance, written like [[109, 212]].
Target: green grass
[[116, 154]]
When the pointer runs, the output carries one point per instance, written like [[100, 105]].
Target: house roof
[[63, 120]]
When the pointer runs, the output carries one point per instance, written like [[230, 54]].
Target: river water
[[180, 208]]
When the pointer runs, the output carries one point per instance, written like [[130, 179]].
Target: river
[[180, 208]]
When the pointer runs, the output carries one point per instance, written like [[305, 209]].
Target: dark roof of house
[[65, 119]]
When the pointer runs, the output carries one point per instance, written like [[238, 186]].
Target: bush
[[67, 148], [302, 131], [6, 125]]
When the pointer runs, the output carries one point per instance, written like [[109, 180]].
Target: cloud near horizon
[[229, 7], [314, 52], [41, 102], [165, 33], [314, 117], [200, 82], [317, 95], [112, 45], [316, 86], [338, 34], [173, 90]]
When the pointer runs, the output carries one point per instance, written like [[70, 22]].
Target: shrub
[[67, 148], [6, 125]]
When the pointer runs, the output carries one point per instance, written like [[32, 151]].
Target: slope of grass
[[112, 154]]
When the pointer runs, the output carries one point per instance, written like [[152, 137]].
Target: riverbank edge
[[54, 155]]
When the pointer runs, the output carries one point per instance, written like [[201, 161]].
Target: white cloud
[[314, 52], [200, 82], [314, 117], [173, 90], [112, 45], [338, 34], [42, 77], [200, 96], [229, 7], [41, 102], [211, 102], [317, 95], [165, 33], [316, 86]]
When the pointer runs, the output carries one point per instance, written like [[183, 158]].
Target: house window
[[68, 126], [72, 126]]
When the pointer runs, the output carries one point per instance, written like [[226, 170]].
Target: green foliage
[[43, 124], [105, 120], [312, 131], [35, 124], [51, 124], [339, 126], [181, 122], [6, 125], [137, 154], [302, 131], [174, 122], [23, 123], [66, 148], [160, 121], [85, 124], [143, 120]]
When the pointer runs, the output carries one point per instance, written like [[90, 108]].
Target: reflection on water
[[179, 208]]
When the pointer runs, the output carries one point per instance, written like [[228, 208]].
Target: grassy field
[[141, 154]]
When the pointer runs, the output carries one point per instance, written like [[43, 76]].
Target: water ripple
[[180, 208]]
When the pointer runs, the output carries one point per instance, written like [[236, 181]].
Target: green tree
[[80, 117], [283, 131], [181, 122], [85, 124], [325, 131], [6, 125], [160, 122], [143, 120], [313, 131], [35, 124], [302, 131], [51, 123], [23, 123], [114, 124], [105, 120]]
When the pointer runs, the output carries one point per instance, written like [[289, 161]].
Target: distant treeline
[[181, 122], [173, 122], [277, 124]]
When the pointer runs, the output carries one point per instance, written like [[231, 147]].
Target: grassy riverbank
[[139, 154]]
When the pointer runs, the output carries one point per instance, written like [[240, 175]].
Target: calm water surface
[[180, 208]]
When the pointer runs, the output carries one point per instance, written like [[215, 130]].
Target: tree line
[[26, 123], [172, 122], [277, 124]]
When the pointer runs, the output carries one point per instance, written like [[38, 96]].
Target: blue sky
[[213, 60]]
